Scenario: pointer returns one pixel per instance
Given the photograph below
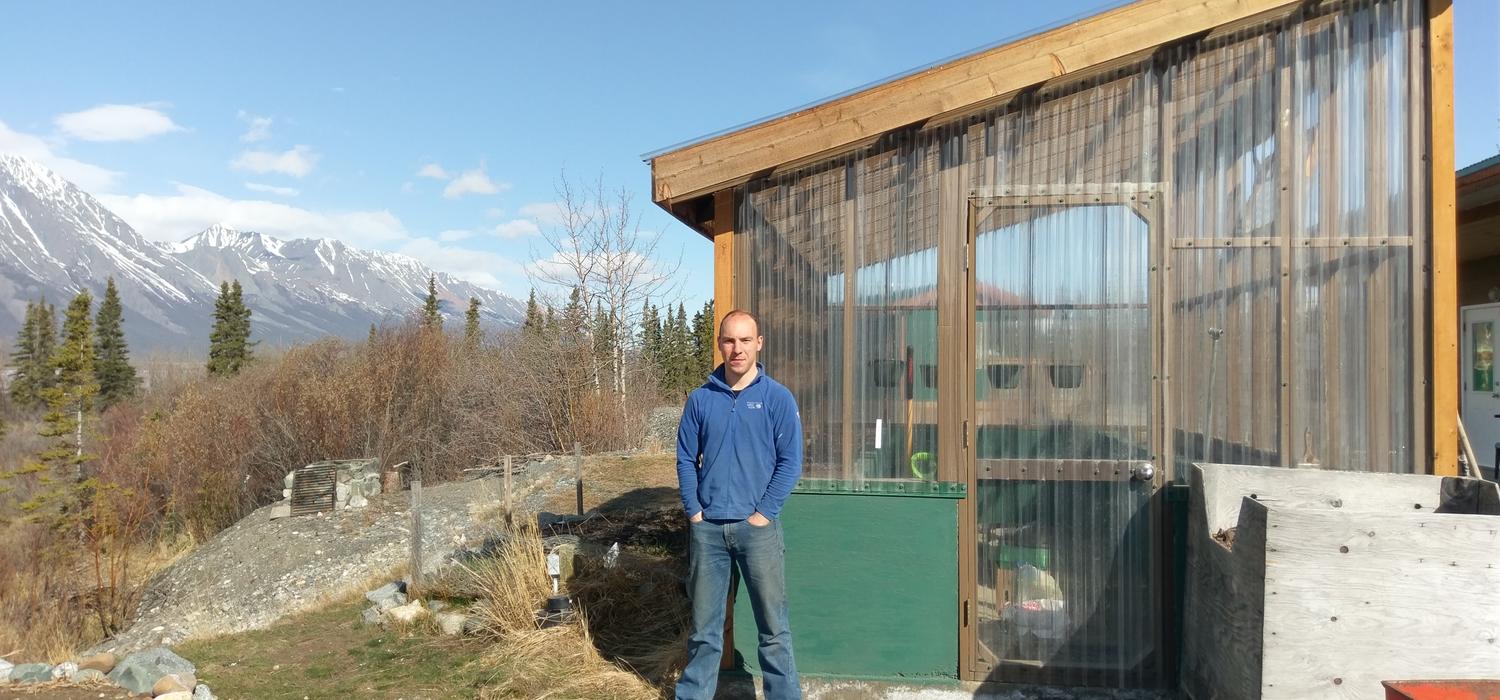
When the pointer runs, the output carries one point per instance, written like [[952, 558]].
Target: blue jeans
[[759, 554]]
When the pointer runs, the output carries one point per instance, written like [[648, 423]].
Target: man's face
[[739, 343]]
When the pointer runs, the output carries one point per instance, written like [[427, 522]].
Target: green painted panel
[[872, 585]]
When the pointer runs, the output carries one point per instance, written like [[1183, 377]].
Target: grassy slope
[[327, 653]]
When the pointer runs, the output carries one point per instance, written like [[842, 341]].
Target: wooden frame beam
[[1443, 193], [724, 283], [733, 158]]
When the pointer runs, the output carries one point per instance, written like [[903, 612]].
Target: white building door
[[1480, 402]]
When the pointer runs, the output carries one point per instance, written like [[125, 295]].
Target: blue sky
[[440, 130]]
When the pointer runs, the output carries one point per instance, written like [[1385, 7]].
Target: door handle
[[1145, 471]]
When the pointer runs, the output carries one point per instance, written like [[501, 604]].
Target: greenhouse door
[[1063, 587]]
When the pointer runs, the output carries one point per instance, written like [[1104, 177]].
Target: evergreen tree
[[574, 316], [373, 335], [117, 379], [431, 316], [651, 336], [35, 344], [471, 323], [703, 339], [229, 346], [23, 390], [605, 338], [534, 322], [222, 335], [60, 465], [551, 326]]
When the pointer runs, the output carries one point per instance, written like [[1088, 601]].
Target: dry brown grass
[[557, 662]]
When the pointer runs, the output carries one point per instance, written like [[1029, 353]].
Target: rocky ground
[[260, 570]]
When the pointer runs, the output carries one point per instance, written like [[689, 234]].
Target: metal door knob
[[1144, 471]]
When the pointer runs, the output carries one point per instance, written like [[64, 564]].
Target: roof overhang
[[1479, 210], [682, 179]]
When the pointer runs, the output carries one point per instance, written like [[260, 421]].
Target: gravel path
[[259, 570]]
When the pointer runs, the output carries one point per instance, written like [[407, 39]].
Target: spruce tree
[[534, 321], [703, 339], [431, 316], [222, 335], [471, 323], [68, 401], [243, 347], [651, 337], [550, 327], [23, 389], [574, 316], [603, 329], [117, 379]]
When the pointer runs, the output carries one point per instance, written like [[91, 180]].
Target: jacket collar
[[716, 378]]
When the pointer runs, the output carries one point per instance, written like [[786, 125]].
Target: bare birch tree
[[596, 245]]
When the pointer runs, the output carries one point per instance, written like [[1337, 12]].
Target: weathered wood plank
[[1356, 598]]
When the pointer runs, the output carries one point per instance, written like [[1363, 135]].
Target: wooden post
[[509, 507], [416, 527], [578, 465], [1444, 184], [723, 231]]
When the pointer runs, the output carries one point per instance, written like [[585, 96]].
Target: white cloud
[[408, 187], [192, 209], [259, 130], [272, 189], [475, 181], [483, 268], [116, 123], [434, 171], [454, 234], [549, 213], [494, 212], [91, 178], [297, 162], [517, 228]]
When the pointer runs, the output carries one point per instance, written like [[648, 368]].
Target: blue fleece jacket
[[738, 452]]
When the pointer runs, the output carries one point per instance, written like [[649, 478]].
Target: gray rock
[[141, 670], [280, 511], [289, 479], [358, 500], [179, 695], [372, 615], [391, 602], [5, 667], [407, 613], [66, 669], [386, 592], [436, 605], [452, 623], [32, 673], [89, 674], [473, 625], [340, 495], [201, 692]]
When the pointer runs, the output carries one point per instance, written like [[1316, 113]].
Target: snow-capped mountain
[[310, 287], [55, 239]]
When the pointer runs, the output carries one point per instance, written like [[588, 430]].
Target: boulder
[[340, 495], [103, 663], [281, 510], [31, 673], [203, 693], [140, 671], [390, 591], [89, 674], [371, 615], [176, 695], [358, 500], [65, 670], [407, 613], [174, 683], [289, 479], [452, 623]]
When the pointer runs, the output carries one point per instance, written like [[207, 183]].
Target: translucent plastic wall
[[1210, 254], [1288, 159]]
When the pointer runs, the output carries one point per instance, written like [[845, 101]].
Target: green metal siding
[[872, 582]]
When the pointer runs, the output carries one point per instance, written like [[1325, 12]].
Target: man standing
[[739, 453]]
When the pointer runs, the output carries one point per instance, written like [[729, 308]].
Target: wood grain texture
[[1337, 581], [734, 157], [1445, 380], [1356, 598], [724, 281]]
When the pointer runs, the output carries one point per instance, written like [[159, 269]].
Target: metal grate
[[313, 489]]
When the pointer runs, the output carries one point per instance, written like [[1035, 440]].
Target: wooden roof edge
[[732, 158]]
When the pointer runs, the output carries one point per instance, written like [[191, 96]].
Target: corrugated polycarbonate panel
[[1211, 254]]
